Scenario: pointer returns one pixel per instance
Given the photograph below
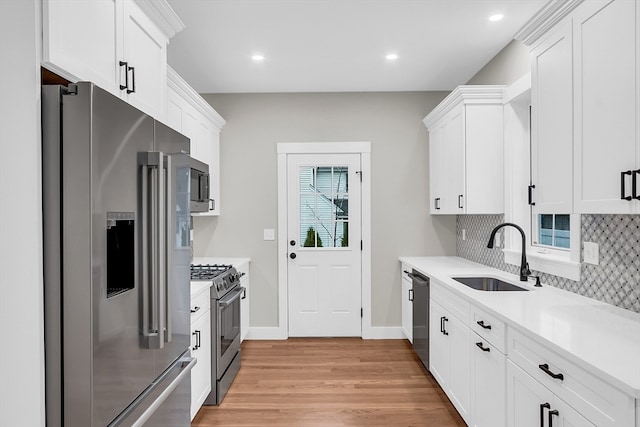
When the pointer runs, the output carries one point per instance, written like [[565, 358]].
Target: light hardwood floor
[[331, 382]]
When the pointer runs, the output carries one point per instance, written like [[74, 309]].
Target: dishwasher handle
[[418, 279]]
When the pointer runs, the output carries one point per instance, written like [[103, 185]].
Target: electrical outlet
[[591, 253], [464, 234]]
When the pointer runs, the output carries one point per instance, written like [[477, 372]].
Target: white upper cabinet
[[120, 45], [586, 95], [606, 54], [188, 113], [551, 127], [466, 152]]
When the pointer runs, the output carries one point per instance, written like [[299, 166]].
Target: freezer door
[[166, 403], [106, 362]]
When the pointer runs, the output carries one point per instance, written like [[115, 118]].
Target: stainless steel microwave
[[200, 196]]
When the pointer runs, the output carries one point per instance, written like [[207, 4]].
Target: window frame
[[558, 262]]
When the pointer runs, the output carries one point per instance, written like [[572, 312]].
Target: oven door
[[228, 329]]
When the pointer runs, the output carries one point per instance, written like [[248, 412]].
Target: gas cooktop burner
[[208, 271]]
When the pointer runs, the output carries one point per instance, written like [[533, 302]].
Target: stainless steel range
[[226, 294]]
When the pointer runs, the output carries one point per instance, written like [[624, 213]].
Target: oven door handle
[[227, 301]]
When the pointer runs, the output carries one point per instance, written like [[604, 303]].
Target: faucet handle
[[538, 285]]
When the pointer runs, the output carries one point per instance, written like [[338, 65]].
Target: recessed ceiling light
[[496, 17], [257, 58], [392, 57]]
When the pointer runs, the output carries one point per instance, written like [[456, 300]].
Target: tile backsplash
[[616, 280]]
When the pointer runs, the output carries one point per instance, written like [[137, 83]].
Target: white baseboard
[[372, 333], [383, 333], [267, 333]]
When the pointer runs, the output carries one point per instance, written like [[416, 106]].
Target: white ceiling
[[340, 45]]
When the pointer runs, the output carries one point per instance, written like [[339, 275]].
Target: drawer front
[[489, 328], [456, 305], [200, 304], [592, 397]]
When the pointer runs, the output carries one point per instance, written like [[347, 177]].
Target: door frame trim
[[283, 150]]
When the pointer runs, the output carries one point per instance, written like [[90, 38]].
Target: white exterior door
[[324, 244]]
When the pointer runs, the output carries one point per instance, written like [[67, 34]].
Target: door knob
[[292, 243], [292, 255]]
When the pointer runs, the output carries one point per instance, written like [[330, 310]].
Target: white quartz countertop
[[597, 336]]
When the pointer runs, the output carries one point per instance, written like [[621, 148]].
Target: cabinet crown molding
[[465, 95], [552, 13], [177, 83], [162, 15]]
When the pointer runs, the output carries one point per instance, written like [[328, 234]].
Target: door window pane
[[324, 206]]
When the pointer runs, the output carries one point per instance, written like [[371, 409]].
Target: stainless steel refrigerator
[[116, 256]]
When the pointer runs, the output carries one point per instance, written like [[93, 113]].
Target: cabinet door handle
[[133, 79], [481, 323], [530, 193], [545, 368], [623, 191], [442, 324], [437, 202], [212, 206], [410, 294], [444, 330], [481, 347], [195, 347], [460, 198], [195, 309], [542, 407], [125, 64], [551, 414], [244, 293], [635, 184]]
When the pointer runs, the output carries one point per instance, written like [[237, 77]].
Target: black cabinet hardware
[[481, 347], [125, 64], [623, 191], [133, 80], [481, 323], [460, 196], [293, 255], [198, 343], [244, 293], [444, 327], [212, 204], [530, 192], [545, 368], [437, 203], [194, 309], [635, 184], [551, 414], [410, 294], [442, 324], [542, 407], [293, 243]]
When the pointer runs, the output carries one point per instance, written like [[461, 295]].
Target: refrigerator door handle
[[166, 231], [152, 248]]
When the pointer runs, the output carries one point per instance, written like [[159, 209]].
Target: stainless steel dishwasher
[[420, 286]]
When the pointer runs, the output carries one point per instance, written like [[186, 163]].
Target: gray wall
[[401, 225], [511, 63]]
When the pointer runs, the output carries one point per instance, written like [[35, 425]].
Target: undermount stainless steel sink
[[490, 284]]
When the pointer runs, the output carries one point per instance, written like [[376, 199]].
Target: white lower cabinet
[[530, 404], [245, 317], [200, 349], [407, 304], [450, 356], [488, 394]]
